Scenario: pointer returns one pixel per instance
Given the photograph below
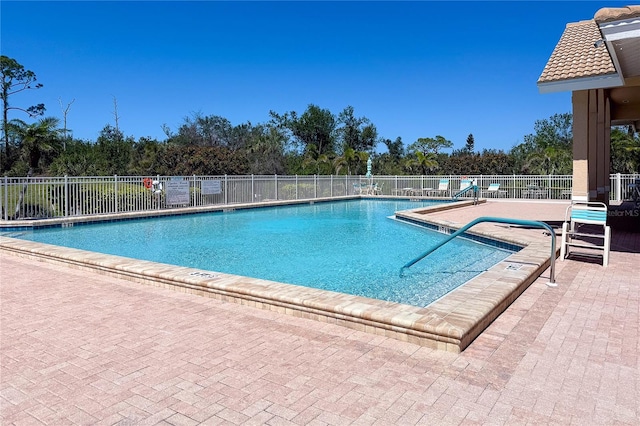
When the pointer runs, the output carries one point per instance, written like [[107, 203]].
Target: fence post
[[6, 198], [331, 190], [194, 190], [296, 187], [253, 194], [66, 196], [226, 200], [276, 180], [115, 186], [618, 187], [571, 187], [315, 186], [158, 194]]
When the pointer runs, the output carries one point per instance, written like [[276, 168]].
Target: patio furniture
[[467, 189], [407, 191], [370, 188], [534, 191], [464, 184], [494, 191], [443, 188], [584, 226]]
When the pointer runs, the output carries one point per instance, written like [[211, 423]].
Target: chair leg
[[563, 243], [607, 245]]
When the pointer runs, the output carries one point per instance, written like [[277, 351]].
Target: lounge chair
[[357, 188], [465, 189], [585, 224], [494, 191], [443, 188], [534, 191]]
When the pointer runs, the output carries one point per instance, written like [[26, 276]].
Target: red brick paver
[[82, 348]]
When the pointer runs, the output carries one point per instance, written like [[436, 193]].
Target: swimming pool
[[351, 247]]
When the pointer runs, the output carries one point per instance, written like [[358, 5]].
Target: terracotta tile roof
[[609, 14], [575, 55]]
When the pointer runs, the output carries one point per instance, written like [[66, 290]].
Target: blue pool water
[[349, 246]]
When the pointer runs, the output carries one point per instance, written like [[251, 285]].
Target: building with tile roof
[[599, 62]]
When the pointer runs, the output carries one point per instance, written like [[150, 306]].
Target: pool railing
[[508, 221]]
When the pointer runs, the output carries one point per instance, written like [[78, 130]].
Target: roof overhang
[[613, 36], [587, 83], [620, 30], [623, 43]]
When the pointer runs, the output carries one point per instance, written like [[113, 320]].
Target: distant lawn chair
[[465, 189], [443, 188], [585, 224], [357, 188], [534, 191], [494, 191]]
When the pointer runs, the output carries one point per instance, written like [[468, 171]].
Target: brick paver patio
[[83, 348]]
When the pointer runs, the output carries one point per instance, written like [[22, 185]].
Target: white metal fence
[[45, 197]]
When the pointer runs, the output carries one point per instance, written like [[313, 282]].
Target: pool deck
[[88, 348], [449, 323]]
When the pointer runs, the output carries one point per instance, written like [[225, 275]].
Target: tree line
[[316, 141]]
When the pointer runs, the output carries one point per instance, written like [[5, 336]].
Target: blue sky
[[415, 69]]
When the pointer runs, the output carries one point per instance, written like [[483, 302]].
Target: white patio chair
[[494, 191], [582, 225]]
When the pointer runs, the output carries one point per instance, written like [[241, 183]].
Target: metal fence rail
[[46, 197]]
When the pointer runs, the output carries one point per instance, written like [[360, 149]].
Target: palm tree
[[350, 158], [35, 140], [313, 158], [423, 162], [552, 159], [625, 152]]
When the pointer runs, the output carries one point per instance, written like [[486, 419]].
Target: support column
[[591, 145]]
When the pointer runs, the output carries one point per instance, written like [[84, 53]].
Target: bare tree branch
[[115, 112], [65, 112]]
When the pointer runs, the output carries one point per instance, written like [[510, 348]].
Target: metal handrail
[[552, 279], [467, 189]]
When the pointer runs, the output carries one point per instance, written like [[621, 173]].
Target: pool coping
[[451, 323]]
